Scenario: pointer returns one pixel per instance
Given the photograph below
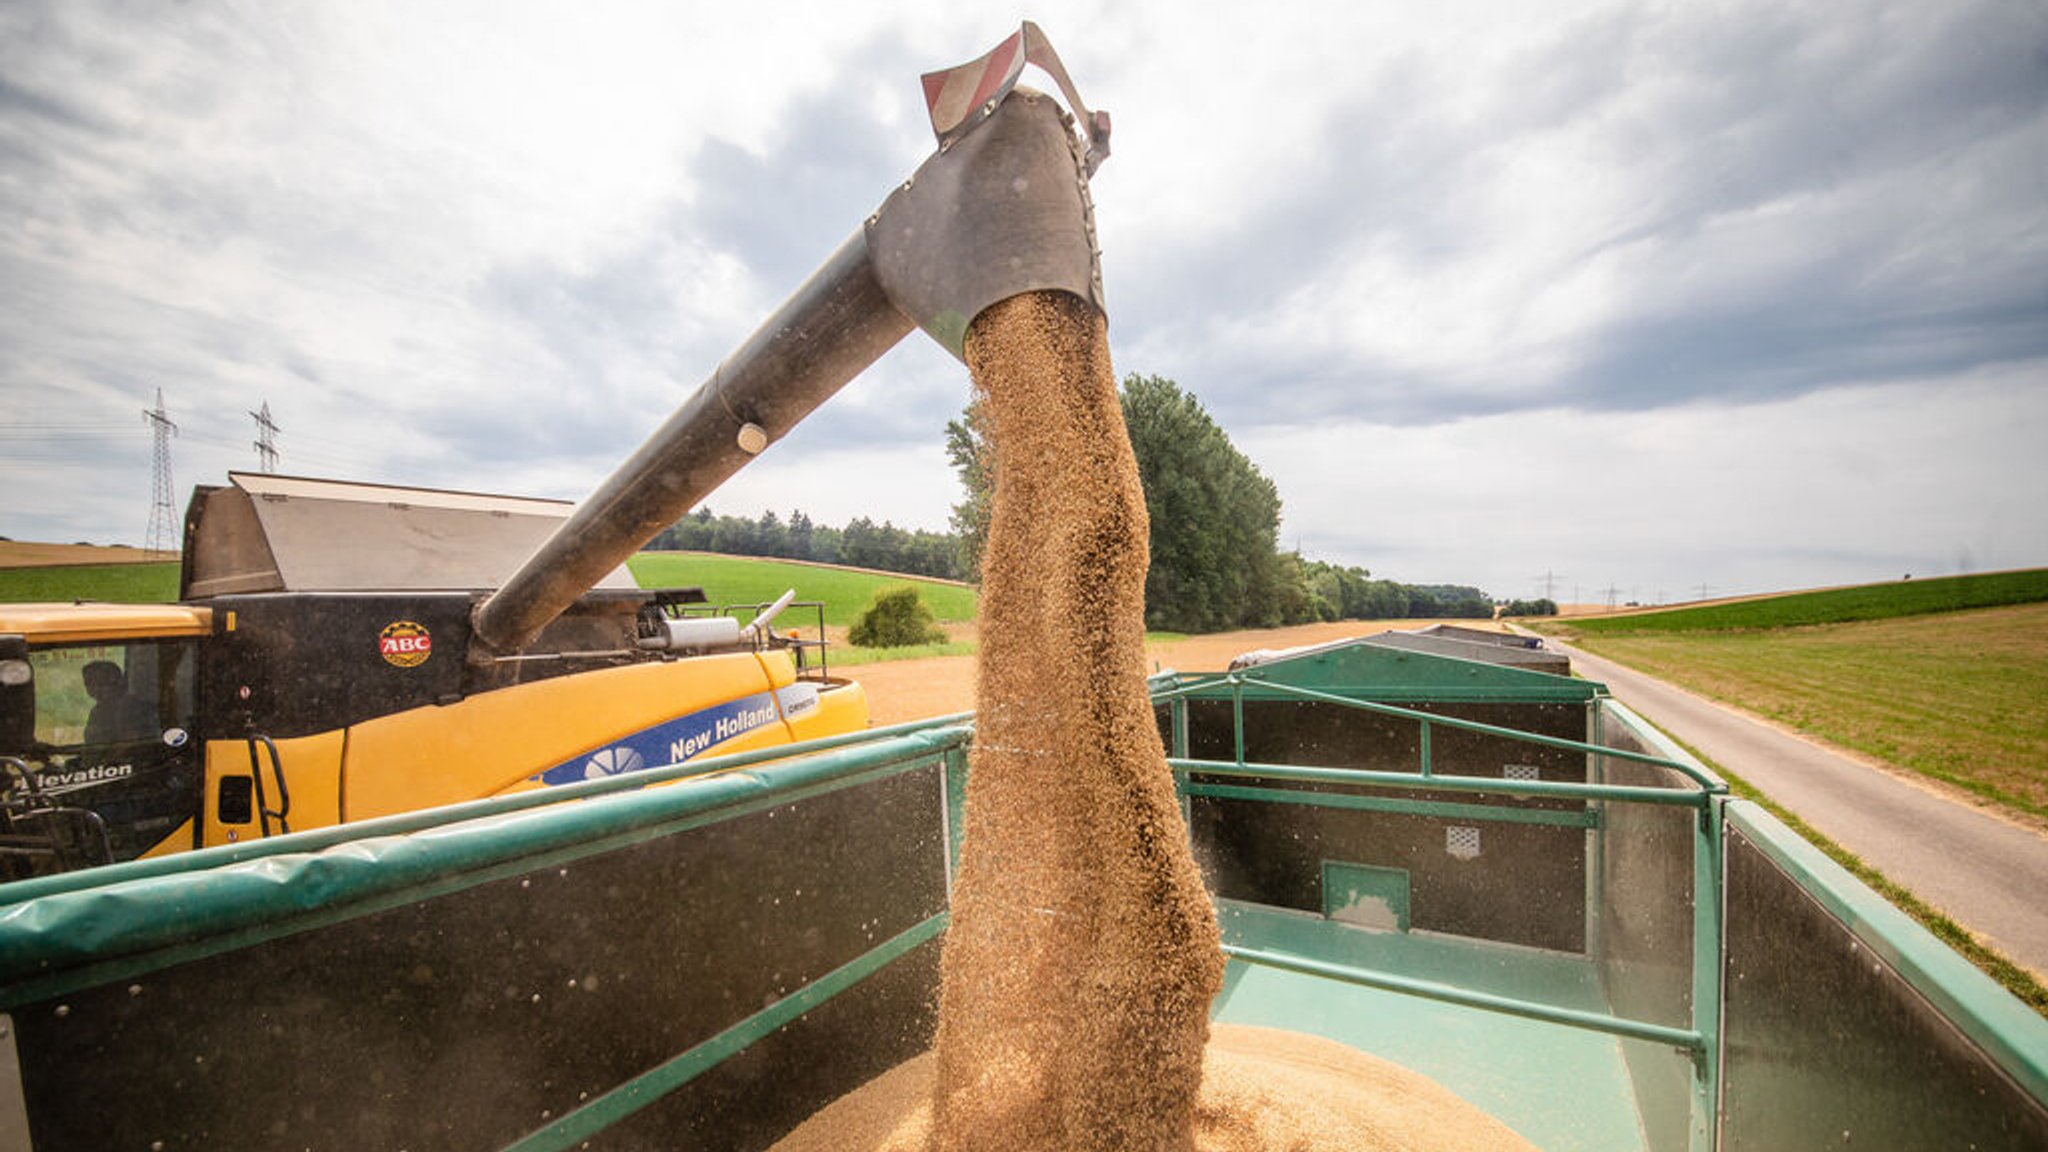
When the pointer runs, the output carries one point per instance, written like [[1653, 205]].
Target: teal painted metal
[[1696, 774], [1450, 994], [1178, 711], [1705, 794], [1562, 978], [2015, 1037], [956, 811], [1708, 915], [1237, 717], [315, 840], [1596, 858], [79, 939], [650, 1086], [1195, 689], [1498, 814], [1369, 671], [1364, 777], [1672, 755], [1561, 1088], [1346, 884]]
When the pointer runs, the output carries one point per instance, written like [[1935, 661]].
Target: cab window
[[92, 695]]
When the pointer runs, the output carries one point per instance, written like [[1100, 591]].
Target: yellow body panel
[[88, 623], [501, 741], [179, 841], [312, 772], [843, 709]]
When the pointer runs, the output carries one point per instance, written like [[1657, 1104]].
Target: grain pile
[[1263, 1090], [1083, 953]]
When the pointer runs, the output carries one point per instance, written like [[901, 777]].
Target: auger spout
[[1001, 208]]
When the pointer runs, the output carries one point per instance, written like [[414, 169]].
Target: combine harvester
[[323, 666], [1496, 876]]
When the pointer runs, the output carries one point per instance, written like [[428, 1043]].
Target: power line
[[163, 532]]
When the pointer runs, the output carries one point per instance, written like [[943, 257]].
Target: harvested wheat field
[[1083, 954], [24, 554]]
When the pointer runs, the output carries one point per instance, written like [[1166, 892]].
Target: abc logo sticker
[[405, 644]]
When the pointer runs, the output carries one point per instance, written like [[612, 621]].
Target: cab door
[[113, 737]]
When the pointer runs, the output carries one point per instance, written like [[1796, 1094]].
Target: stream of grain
[[1083, 955]]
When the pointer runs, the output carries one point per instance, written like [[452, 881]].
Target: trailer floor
[[1560, 1087]]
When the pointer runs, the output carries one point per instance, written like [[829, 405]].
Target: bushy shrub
[[897, 618]]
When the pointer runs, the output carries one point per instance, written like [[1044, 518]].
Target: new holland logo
[[405, 644]]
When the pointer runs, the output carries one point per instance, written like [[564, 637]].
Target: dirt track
[[914, 689]]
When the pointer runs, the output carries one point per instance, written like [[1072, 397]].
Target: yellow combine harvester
[[321, 667]]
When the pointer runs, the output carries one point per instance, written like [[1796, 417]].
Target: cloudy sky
[[1644, 298]]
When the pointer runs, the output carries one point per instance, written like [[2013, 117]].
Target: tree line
[[1216, 563], [1215, 559], [862, 543]]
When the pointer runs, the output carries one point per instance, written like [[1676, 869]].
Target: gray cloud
[[776, 214], [1878, 169]]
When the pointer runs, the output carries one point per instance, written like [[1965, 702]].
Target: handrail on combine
[[1705, 792]]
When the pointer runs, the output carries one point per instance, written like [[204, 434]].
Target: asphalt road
[[1987, 873]]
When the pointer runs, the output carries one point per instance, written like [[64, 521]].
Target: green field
[[120, 583], [1834, 606], [748, 580], [1956, 696]]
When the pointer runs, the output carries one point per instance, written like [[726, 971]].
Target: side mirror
[[17, 697]]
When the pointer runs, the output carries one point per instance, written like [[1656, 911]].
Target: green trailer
[[1500, 878]]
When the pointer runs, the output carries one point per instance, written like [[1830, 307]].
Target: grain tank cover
[[267, 533], [1364, 668]]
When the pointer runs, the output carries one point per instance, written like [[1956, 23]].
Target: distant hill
[[1834, 605]]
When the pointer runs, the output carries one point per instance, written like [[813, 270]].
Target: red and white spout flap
[[961, 97]]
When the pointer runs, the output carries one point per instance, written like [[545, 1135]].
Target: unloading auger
[[1001, 208]]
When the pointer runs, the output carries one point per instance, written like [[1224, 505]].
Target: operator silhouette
[[116, 715]]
